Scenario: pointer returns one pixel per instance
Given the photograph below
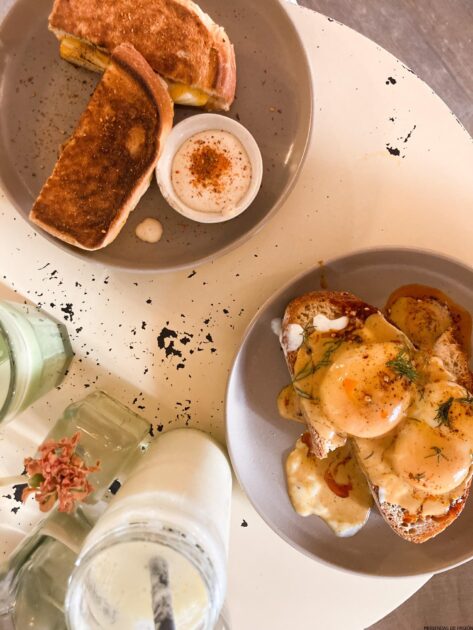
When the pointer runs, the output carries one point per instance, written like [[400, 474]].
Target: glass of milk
[[157, 557], [34, 355]]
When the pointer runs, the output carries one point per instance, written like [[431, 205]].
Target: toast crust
[[106, 165], [179, 40], [409, 526]]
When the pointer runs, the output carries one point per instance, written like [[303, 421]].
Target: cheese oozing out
[[82, 53], [333, 488]]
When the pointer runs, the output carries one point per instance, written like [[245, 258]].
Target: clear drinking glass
[[33, 580], [157, 557], [35, 353], [109, 432]]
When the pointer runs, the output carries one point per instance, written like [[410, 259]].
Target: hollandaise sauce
[[333, 488]]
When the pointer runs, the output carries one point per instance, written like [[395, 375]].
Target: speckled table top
[[388, 164]]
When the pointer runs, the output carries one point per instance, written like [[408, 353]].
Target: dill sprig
[[310, 368], [418, 476], [306, 371], [437, 452], [331, 346], [303, 394], [443, 411], [466, 399], [403, 365], [441, 417]]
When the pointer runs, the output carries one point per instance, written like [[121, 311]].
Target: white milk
[[175, 506]]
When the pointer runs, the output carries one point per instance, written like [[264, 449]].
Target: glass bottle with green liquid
[[35, 353]]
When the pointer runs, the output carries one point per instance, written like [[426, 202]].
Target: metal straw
[[161, 594]]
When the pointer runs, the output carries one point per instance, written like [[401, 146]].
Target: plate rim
[[391, 249], [230, 246]]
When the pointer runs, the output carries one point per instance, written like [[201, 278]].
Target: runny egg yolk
[[361, 394], [428, 459]]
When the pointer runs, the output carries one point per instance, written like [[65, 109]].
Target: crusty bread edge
[[341, 303], [421, 530]]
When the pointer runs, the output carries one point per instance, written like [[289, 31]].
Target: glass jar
[[35, 353], [157, 557], [33, 580], [109, 432]]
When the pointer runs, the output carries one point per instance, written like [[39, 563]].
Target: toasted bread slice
[[179, 41], [301, 311], [411, 527], [442, 342], [435, 330], [106, 165]]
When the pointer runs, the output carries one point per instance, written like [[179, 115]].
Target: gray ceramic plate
[[41, 98], [259, 440]]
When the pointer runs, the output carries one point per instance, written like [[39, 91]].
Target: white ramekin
[[184, 130]]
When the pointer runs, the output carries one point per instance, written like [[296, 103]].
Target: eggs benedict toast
[[179, 41], [398, 395], [106, 165]]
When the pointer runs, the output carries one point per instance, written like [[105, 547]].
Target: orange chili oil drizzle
[[342, 490], [461, 317]]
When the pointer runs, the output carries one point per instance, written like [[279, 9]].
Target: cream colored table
[[388, 164]]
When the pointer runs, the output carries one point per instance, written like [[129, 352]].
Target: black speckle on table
[[409, 134], [115, 486], [391, 81], [68, 312], [166, 342], [393, 150], [244, 523], [18, 491]]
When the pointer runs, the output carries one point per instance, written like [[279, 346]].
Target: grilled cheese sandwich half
[[106, 165], [81, 53], [179, 41]]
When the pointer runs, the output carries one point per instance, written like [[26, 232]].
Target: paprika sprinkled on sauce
[[211, 172]]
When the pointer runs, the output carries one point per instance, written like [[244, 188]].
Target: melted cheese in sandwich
[[82, 53], [332, 488]]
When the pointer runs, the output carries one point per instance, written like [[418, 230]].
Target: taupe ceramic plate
[[42, 97], [259, 441]]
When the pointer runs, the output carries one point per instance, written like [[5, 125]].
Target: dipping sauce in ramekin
[[211, 168], [211, 172]]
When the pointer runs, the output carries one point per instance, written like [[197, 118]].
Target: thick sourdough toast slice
[[301, 311], [440, 337], [411, 527]]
